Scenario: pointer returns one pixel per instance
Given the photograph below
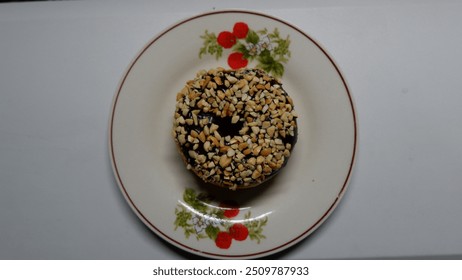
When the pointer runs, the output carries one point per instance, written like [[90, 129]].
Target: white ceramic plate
[[255, 222]]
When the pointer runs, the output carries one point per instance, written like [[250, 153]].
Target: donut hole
[[225, 125]]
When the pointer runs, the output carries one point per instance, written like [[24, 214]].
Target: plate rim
[[177, 243]]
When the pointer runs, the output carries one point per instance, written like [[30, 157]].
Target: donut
[[234, 128]]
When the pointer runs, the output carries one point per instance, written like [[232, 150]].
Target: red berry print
[[231, 209], [230, 213], [240, 30], [236, 60], [223, 240], [239, 232], [217, 221], [226, 39]]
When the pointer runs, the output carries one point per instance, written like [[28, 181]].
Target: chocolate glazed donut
[[234, 128]]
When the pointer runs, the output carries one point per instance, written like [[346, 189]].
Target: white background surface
[[61, 62]]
